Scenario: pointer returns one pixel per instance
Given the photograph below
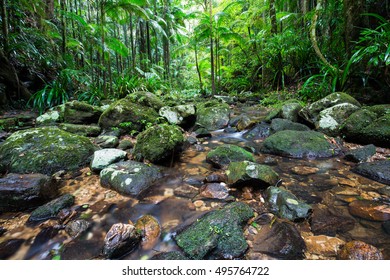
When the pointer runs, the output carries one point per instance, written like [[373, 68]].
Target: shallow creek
[[326, 181]]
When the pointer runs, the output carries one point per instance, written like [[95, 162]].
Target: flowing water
[[326, 181]]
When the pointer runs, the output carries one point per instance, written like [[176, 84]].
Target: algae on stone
[[225, 154]]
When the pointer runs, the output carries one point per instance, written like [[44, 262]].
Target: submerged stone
[[324, 222], [52, 208], [158, 142], [168, 256], [225, 154], [370, 210], [323, 245], [129, 177], [20, 192], [358, 250], [251, 173], [150, 230], [218, 233], [44, 150], [286, 205], [300, 144]]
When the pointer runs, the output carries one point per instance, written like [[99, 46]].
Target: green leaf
[[117, 46]]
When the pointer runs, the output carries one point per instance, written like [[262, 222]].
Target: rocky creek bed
[[205, 181]]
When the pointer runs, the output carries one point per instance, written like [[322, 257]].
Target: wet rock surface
[[21, 192], [323, 245], [324, 222], [52, 208], [358, 250], [361, 154], [218, 233], [103, 158], [225, 154], [212, 115], [370, 210], [378, 171], [129, 177]]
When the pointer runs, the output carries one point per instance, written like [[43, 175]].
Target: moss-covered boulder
[[52, 116], [329, 120], [146, 99], [311, 112], [158, 142], [128, 116], [251, 173], [213, 115], [290, 111], [218, 233], [77, 112], [282, 124], [352, 127], [129, 177], [52, 208], [378, 132], [81, 129], [182, 115], [300, 144], [286, 205], [23, 191], [225, 154], [380, 110], [44, 150]]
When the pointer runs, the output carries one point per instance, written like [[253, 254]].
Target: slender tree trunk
[[133, 52], [63, 31], [272, 15], [142, 44], [148, 43], [212, 50], [198, 69], [353, 22], [102, 22], [5, 26]]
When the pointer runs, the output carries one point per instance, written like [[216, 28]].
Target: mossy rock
[[290, 110], [78, 112], [378, 132], [52, 208], [218, 233], [158, 142], [377, 170], [129, 177], [300, 144], [225, 154], [146, 99], [213, 115], [251, 173], [128, 116], [352, 127], [283, 124], [44, 150], [51, 117], [182, 115], [81, 129], [380, 110], [311, 112]]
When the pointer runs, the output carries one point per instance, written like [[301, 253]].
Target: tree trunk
[[4, 26], [353, 22], [212, 50], [63, 31], [198, 69], [272, 15], [133, 52], [49, 9]]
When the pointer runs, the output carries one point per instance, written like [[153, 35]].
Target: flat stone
[[52, 208], [377, 170], [215, 191], [370, 210], [107, 141], [324, 222], [103, 158], [361, 154], [323, 245], [358, 250], [304, 170]]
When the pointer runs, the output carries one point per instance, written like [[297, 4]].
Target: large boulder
[[129, 177], [351, 129], [330, 119], [77, 112], [103, 158], [282, 124], [311, 112], [290, 111], [158, 142], [251, 173], [378, 132], [52, 116], [213, 115], [44, 150], [146, 99], [20, 192], [128, 116], [225, 154], [377, 170], [81, 129], [182, 115], [218, 233], [300, 144]]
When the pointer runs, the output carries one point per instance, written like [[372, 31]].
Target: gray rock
[[77, 112], [120, 239], [225, 154], [129, 177], [218, 233], [20, 192], [51, 117], [107, 141], [213, 115], [282, 124], [250, 173], [52, 208], [361, 154], [147, 99], [351, 129], [81, 129], [77, 228], [377, 170], [300, 144], [103, 158], [286, 205], [182, 115], [259, 131], [290, 111], [378, 132], [44, 150]]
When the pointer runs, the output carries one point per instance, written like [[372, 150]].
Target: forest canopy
[[56, 50]]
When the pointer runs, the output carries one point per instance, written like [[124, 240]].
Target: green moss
[[380, 110], [52, 208], [213, 115], [158, 142], [225, 154], [378, 132], [249, 172], [352, 128], [218, 232], [44, 150], [146, 99]]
